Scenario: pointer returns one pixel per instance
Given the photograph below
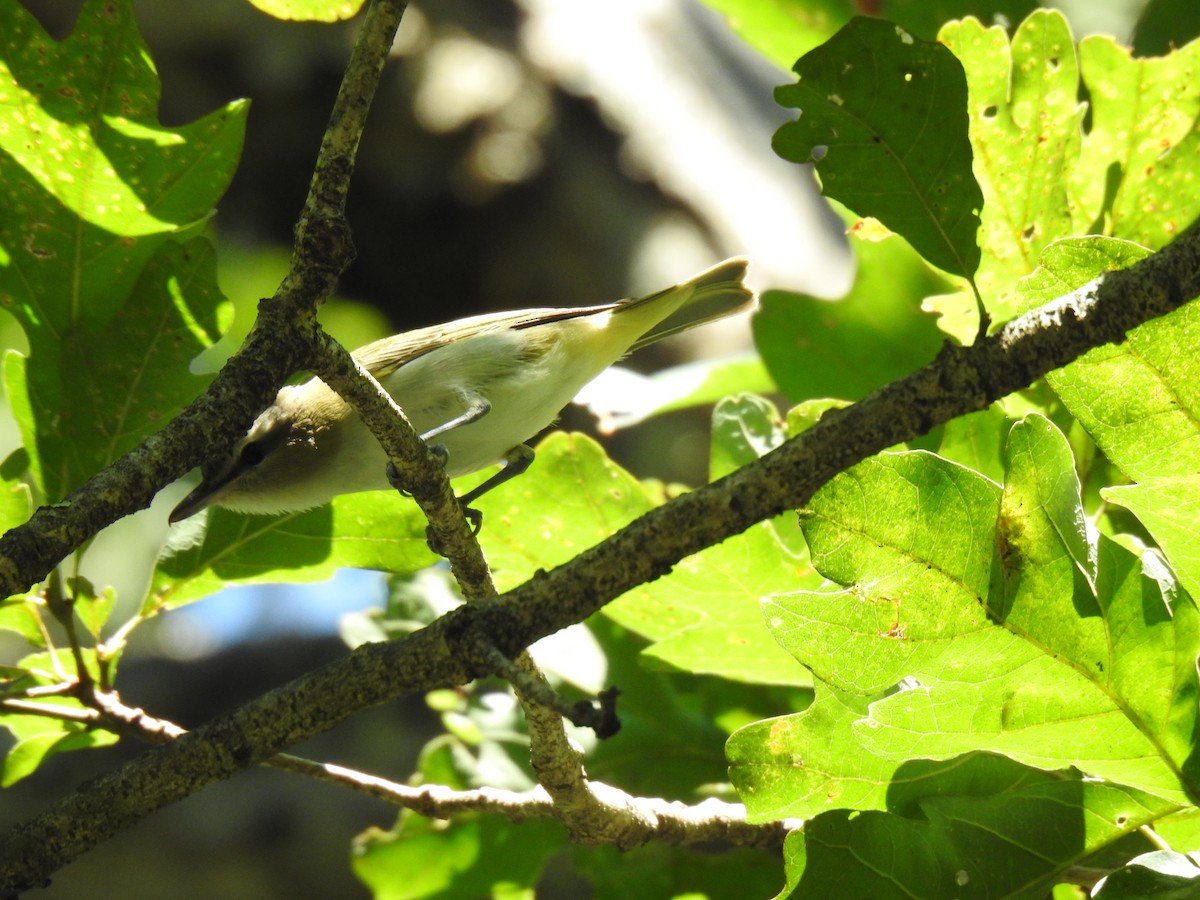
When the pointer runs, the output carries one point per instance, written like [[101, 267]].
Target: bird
[[476, 389]]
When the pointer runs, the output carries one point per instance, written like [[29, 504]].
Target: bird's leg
[[516, 460], [476, 410]]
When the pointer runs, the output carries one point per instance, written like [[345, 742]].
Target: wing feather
[[385, 355]]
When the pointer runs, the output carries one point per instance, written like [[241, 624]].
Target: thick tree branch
[[959, 381]]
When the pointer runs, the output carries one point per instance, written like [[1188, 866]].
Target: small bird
[[477, 388]]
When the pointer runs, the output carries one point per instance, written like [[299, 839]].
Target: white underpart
[[524, 398]]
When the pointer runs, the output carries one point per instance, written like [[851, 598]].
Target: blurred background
[[519, 153]]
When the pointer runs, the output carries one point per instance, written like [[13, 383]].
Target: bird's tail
[[715, 293]]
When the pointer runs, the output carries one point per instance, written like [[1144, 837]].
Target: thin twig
[[630, 821], [50, 711]]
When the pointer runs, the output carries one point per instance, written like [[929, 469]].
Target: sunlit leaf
[[704, 617], [1131, 174], [220, 549], [92, 189], [1025, 124], [1170, 509], [977, 441], [883, 118], [978, 620], [37, 737], [123, 380], [783, 30], [24, 617], [1139, 400], [1137, 176], [16, 499], [310, 10]]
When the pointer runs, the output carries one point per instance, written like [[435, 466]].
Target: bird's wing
[[714, 293], [384, 356]]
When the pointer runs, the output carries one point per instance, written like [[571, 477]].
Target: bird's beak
[[198, 499], [212, 485]]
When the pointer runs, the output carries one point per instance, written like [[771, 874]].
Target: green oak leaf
[[310, 10], [24, 616], [1139, 400], [1181, 830], [976, 618], [978, 826], [782, 30], [36, 737], [883, 118], [16, 500], [703, 618], [1131, 174], [1137, 175], [123, 379], [220, 549], [1170, 509], [92, 606], [74, 238], [803, 764], [1025, 133], [422, 858], [93, 195], [976, 441]]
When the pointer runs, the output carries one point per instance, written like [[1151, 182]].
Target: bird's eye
[[252, 453]]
